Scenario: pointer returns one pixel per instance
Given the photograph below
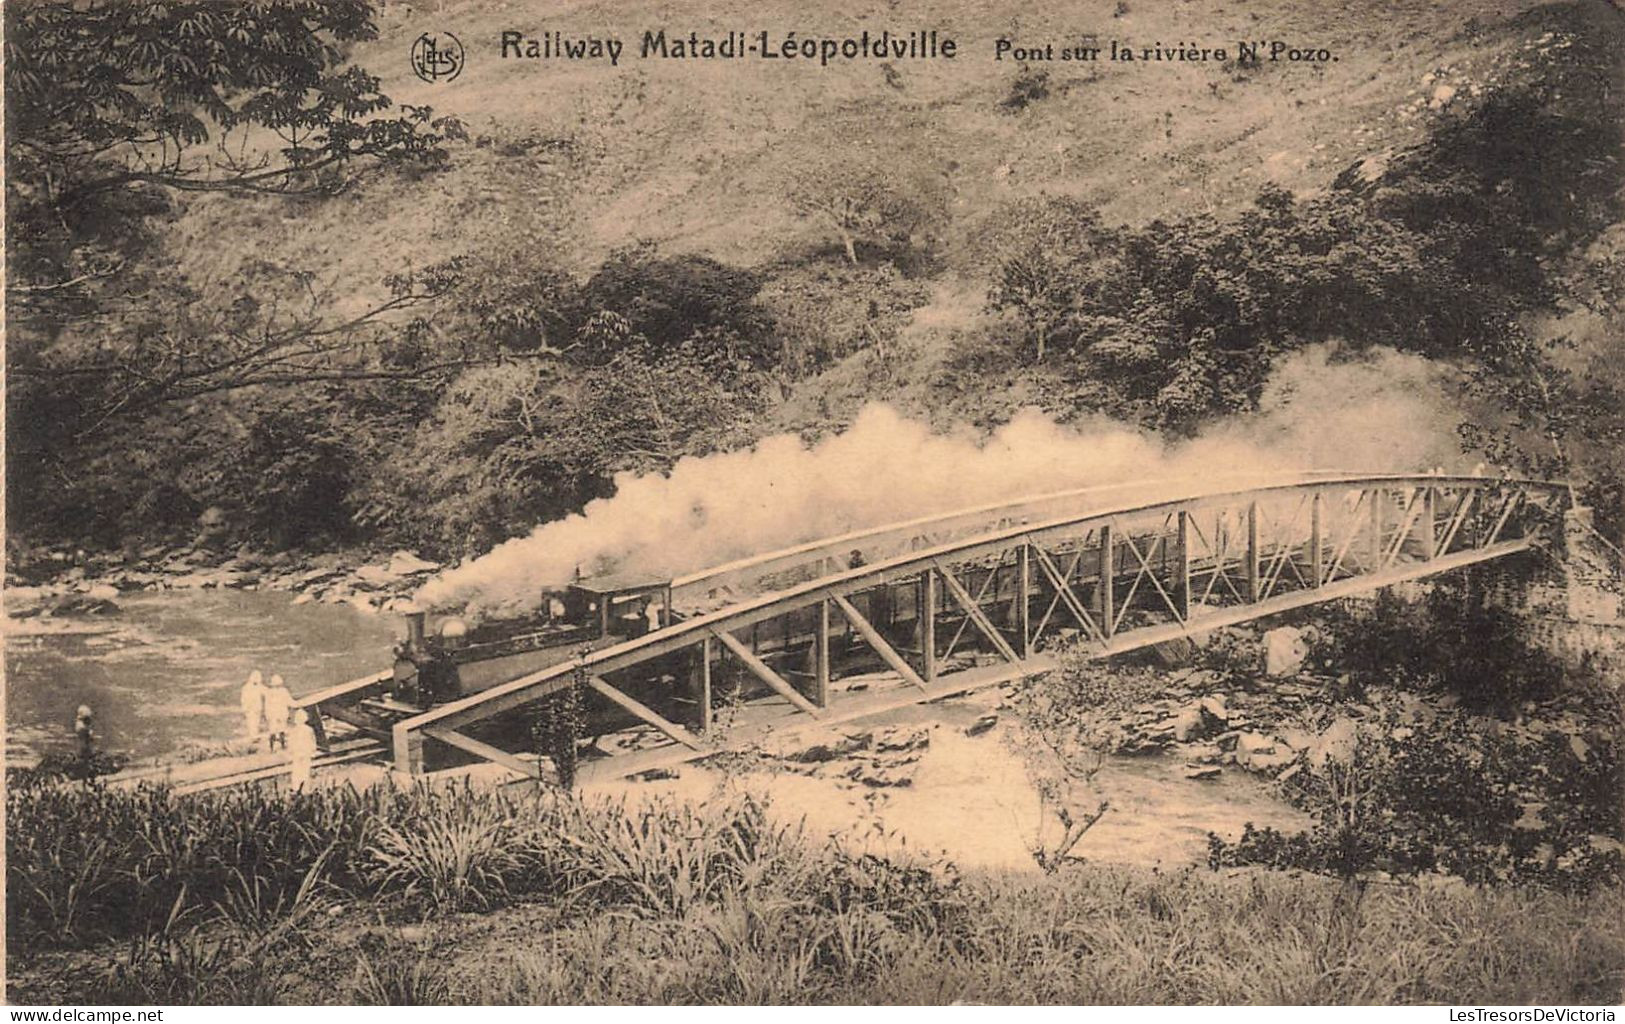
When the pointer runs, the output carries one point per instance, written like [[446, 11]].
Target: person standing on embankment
[[301, 747], [253, 704]]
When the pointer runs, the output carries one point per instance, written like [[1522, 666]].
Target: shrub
[[665, 859], [1456, 797], [454, 852], [1457, 639], [1028, 87], [402, 976]]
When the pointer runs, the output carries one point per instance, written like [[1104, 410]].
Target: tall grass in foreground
[[1093, 935], [226, 898]]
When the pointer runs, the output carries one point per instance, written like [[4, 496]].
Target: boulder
[[1203, 753], [1188, 725], [1297, 739], [1284, 651], [1203, 771], [1335, 743], [1253, 743], [901, 739], [883, 776], [822, 752], [1269, 761], [1175, 653], [1201, 719], [982, 725], [23, 602], [84, 604], [376, 576], [405, 563]]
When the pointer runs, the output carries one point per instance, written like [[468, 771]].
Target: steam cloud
[[1381, 412]]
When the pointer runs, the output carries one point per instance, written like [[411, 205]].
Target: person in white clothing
[[253, 702], [278, 703], [301, 747]]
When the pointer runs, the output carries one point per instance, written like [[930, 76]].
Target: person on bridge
[[300, 743], [253, 704], [278, 703]]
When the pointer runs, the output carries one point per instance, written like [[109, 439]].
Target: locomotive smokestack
[[414, 628]]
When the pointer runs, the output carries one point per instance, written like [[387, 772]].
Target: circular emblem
[[437, 57]]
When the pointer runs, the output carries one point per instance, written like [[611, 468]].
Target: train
[[448, 659]]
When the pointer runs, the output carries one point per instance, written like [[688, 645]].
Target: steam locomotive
[[449, 659]]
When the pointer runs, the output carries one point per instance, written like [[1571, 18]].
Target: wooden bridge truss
[[936, 619]]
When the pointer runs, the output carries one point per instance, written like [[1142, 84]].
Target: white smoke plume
[[1381, 412]]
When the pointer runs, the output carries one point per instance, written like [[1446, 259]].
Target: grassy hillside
[[516, 393], [699, 156]]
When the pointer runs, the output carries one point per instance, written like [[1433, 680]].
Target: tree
[[117, 111], [116, 107], [669, 304], [107, 100], [1050, 266], [1545, 421], [891, 203]]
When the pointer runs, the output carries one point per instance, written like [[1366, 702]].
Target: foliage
[[401, 977], [1063, 714], [456, 429], [826, 311], [557, 728], [56, 767], [1457, 798], [1456, 639], [119, 360], [669, 304], [667, 903], [1441, 253], [116, 109], [888, 202], [665, 859], [453, 851], [1555, 424]]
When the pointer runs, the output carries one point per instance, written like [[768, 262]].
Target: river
[[164, 673]]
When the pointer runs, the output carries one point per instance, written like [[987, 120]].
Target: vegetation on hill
[[452, 402]]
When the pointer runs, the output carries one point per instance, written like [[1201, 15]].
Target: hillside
[[567, 164], [699, 157]]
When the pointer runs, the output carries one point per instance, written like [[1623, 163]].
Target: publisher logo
[[437, 57]]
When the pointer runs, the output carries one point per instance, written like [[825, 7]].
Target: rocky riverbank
[[68, 585]]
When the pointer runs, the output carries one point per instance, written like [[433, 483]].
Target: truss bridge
[[856, 625]]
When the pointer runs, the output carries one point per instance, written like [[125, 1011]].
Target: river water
[[165, 672]]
